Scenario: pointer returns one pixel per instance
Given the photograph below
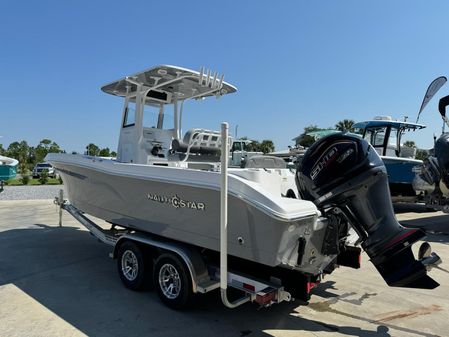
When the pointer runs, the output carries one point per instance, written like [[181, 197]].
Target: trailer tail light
[[266, 297], [310, 285], [249, 287]]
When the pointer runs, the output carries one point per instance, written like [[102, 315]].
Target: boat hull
[[7, 172], [191, 214], [401, 175]]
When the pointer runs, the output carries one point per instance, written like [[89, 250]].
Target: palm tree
[[345, 125], [410, 143]]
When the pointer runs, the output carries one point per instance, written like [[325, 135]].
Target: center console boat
[[167, 185]]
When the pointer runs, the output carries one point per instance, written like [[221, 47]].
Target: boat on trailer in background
[[386, 136], [432, 177], [180, 216], [8, 169]]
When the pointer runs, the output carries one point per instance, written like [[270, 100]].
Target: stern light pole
[[224, 222]]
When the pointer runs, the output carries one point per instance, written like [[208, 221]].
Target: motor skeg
[[343, 172]]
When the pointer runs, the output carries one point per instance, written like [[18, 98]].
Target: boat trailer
[[204, 277]]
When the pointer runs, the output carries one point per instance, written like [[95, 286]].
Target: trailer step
[[209, 285]]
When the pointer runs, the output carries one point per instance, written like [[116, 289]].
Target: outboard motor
[[433, 175], [442, 155], [442, 148], [343, 174]]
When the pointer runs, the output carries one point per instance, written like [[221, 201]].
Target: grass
[[18, 182]]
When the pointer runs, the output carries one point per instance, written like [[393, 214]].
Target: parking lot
[[60, 282]]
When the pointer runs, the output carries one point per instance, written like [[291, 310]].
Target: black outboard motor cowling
[[442, 154], [343, 172]]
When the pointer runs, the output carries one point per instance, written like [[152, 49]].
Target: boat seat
[[268, 162], [200, 141]]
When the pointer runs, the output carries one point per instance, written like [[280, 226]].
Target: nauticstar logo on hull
[[176, 202]]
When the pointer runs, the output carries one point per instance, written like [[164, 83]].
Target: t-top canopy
[[165, 84], [383, 123], [321, 133]]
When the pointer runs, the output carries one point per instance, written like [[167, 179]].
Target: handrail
[[194, 137]]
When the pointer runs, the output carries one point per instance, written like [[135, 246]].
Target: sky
[[294, 62]]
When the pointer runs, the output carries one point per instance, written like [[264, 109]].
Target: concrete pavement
[[60, 282]]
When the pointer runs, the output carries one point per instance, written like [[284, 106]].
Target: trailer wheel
[[134, 267], [173, 282]]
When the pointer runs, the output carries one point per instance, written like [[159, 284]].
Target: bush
[[25, 179], [43, 178], [60, 179], [421, 154], [22, 167]]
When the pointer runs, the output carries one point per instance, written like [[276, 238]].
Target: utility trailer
[[179, 271]]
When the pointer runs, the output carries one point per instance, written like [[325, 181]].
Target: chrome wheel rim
[[169, 281], [130, 266]]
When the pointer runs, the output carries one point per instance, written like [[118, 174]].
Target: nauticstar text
[[176, 201]]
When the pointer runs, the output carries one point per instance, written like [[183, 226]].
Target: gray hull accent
[[192, 215]]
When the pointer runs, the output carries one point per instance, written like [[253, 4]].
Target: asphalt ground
[[60, 282]]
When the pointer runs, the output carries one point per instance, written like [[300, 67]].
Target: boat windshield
[[384, 140], [376, 136], [130, 115], [152, 118], [241, 146]]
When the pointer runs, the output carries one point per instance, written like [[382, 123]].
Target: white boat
[[168, 185], [8, 169]]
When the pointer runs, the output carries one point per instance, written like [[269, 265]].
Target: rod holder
[[200, 79]]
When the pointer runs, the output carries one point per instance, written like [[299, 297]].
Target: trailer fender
[[191, 257]]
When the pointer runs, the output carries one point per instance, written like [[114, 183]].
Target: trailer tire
[[173, 281], [134, 267]]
